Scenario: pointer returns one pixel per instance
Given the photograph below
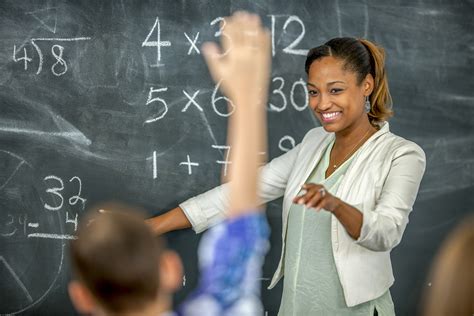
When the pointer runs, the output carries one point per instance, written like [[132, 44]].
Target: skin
[[335, 90]]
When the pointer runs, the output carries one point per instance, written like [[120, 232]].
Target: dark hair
[[116, 257], [362, 57]]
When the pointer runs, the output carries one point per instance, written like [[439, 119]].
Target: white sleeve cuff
[[195, 215]]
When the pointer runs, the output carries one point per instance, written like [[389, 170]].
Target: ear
[[171, 272], [368, 84], [81, 298]]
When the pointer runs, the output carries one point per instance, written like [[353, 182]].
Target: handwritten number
[[59, 60], [55, 192], [77, 198]]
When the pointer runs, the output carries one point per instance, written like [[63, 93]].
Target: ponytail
[[380, 99]]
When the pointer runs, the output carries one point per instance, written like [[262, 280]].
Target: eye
[[312, 93], [335, 90]]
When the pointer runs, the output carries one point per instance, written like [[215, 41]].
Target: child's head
[[118, 265]]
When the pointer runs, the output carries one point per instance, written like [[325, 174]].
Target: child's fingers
[[211, 52]]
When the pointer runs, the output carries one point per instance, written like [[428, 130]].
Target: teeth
[[330, 115]]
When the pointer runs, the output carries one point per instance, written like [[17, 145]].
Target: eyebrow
[[329, 84]]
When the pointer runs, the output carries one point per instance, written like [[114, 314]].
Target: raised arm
[[244, 77], [231, 256]]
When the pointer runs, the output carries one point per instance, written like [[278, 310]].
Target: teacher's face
[[335, 96]]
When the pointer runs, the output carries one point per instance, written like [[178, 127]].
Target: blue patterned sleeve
[[231, 256]]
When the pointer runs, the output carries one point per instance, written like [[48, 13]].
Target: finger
[[232, 31], [211, 52], [299, 195], [320, 205], [315, 200], [299, 199], [308, 195], [251, 31], [226, 39], [308, 185], [244, 27]]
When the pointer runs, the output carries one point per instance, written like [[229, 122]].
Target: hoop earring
[[367, 105]]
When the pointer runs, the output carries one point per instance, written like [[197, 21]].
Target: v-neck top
[[311, 281]]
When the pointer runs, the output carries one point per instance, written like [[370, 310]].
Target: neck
[[350, 136], [156, 308]]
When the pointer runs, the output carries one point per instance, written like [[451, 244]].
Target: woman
[[364, 179]]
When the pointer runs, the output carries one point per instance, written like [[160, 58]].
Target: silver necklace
[[334, 166]]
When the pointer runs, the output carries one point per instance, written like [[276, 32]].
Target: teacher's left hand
[[317, 197]]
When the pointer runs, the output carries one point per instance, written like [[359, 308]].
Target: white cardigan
[[382, 182]]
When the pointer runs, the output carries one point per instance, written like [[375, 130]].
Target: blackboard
[[104, 100]]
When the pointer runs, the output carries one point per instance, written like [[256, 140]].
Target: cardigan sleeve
[[382, 228], [209, 208]]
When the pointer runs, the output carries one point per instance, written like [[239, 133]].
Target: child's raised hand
[[244, 69]]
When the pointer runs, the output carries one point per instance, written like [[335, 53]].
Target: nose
[[321, 103]]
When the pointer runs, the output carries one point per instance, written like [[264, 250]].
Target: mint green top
[[311, 284]]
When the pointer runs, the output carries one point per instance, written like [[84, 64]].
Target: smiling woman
[[349, 94], [363, 177]]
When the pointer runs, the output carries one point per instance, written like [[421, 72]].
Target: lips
[[330, 116]]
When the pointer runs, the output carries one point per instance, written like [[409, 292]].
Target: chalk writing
[[40, 53], [221, 32], [155, 171], [10, 222], [25, 57], [291, 48], [192, 100], [56, 192], [302, 84], [228, 104], [158, 43], [60, 63], [152, 99], [192, 43], [289, 139], [279, 91], [72, 220], [51, 236], [77, 198], [189, 164], [226, 161], [17, 279], [16, 223]]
